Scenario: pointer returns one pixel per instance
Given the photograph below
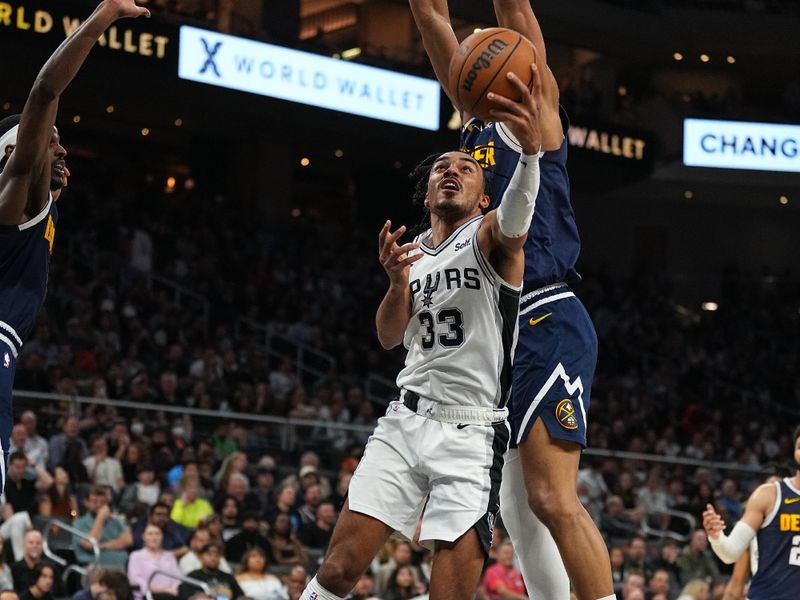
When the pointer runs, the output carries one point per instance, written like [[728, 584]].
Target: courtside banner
[[268, 70], [741, 145]]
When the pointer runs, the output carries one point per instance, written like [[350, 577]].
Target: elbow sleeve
[[515, 213], [730, 547]]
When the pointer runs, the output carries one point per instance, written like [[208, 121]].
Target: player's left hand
[[712, 522], [126, 8], [522, 116]]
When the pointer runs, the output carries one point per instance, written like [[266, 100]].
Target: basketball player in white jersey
[[453, 301]]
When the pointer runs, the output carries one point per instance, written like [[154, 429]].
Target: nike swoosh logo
[[539, 320], [791, 500], [462, 425]]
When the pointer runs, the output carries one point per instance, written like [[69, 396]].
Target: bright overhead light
[[688, 194], [110, 108], [677, 56], [710, 306], [705, 58], [178, 122], [76, 119], [783, 200], [304, 162], [145, 131], [731, 60], [339, 153]]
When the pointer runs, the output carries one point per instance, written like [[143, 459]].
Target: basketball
[[481, 64]]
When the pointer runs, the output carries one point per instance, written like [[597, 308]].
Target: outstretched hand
[[712, 522], [127, 8], [522, 116], [395, 258]]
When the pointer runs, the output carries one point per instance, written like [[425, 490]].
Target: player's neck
[[443, 227]]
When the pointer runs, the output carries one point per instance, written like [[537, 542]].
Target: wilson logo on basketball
[[484, 60]]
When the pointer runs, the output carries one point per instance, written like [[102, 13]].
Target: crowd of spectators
[[230, 503]]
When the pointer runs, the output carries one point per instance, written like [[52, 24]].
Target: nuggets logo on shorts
[[565, 413]]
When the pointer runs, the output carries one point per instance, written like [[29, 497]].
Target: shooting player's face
[[57, 155], [455, 186]]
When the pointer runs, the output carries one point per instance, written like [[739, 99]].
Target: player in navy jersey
[[557, 348], [32, 173], [772, 518]]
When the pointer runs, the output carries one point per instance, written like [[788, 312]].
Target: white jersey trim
[[38, 218], [8, 328], [790, 485], [449, 240], [776, 508], [10, 344]]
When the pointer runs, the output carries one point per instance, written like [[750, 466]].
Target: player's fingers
[[382, 234], [405, 248], [502, 115], [521, 88], [402, 264], [393, 237], [503, 102]]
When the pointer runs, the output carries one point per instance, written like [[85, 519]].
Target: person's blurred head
[[153, 536], [699, 541], [230, 509], [250, 521], [159, 515], [199, 539], [210, 555], [191, 490], [659, 582], [96, 500], [505, 555], [71, 427], [296, 582], [402, 578], [402, 553], [364, 586], [617, 557], [19, 435], [116, 582], [60, 476], [43, 575], [326, 514], [637, 550], [28, 420], [17, 463], [145, 475], [282, 525], [32, 545], [669, 551], [287, 495], [99, 446], [313, 495], [634, 581], [254, 561], [697, 589], [238, 486], [8, 595], [614, 506]]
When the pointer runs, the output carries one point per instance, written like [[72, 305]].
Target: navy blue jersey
[[24, 264], [553, 243], [778, 573]]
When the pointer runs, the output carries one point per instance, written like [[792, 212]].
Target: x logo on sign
[[211, 52]]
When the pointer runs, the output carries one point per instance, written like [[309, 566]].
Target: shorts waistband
[[544, 295], [459, 415]]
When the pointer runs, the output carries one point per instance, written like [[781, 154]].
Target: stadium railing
[[291, 441], [61, 561], [183, 578]]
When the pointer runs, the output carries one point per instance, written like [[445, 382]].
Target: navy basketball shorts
[[554, 366], [8, 367]]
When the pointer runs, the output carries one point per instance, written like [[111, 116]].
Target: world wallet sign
[[268, 70]]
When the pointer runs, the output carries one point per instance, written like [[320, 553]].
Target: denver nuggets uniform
[[24, 265], [777, 576], [444, 438], [557, 350]]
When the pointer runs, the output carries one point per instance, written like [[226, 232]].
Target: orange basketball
[[481, 64]]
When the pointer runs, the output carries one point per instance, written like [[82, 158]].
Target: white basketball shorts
[[415, 456]]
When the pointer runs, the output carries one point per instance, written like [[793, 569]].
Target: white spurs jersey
[[463, 327]]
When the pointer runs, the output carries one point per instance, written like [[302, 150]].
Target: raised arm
[[433, 21], [25, 178], [504, 231], [395, 309]]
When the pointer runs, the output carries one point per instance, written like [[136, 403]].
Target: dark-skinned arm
[[25, 179], [433, 21]]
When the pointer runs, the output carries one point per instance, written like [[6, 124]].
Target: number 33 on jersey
[[463, 326]]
